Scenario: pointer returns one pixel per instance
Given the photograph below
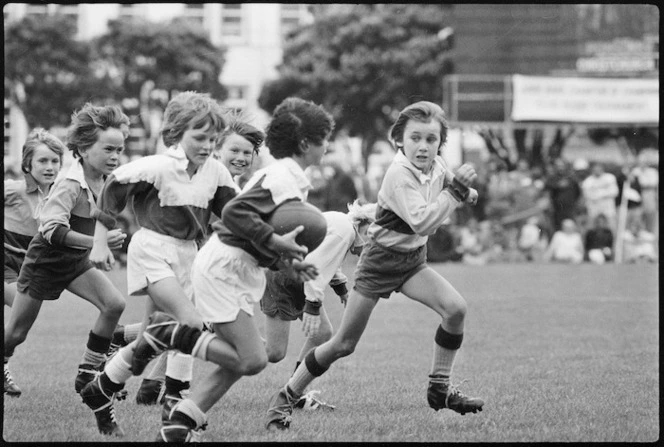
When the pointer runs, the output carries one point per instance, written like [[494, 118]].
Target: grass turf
[[559, 353]]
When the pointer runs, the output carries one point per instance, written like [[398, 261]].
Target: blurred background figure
[[648, 178], [600, 190], [640, 245], [599, 241], [532, 241], [566, 245], [564, 192]]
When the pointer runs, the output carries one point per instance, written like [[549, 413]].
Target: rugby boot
[[86, 374], [151, 392], [157, 338], [311, 402], [180, 428], [11, 389], [280, 410], [442, 394], [170, 401], [101, 403]]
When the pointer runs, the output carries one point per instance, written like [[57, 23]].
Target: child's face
[[236, 154], [421, 142], [45, 165], [104, 156], [198, 144]]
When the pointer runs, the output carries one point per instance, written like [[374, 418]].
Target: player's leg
[[324, 334], [10, 293], [277, 332], [95, 287], [316, 362], [23, 315], [189, 414], [435, 292]]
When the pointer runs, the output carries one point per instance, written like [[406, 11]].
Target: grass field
[[559, 354]]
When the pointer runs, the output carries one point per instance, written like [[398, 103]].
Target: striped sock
[[131, 331], [158, 371], [95, 350], [445, 348], [305, 374]]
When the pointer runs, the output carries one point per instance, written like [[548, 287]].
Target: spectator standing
[[599, 241], [564, 192], [648, 178], [566, 245], [600, 190]]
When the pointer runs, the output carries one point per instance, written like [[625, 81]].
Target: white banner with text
[[585, 100]]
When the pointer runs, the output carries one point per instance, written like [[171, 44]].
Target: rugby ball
[[293, 213]]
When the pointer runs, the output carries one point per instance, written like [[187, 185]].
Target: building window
[[127, 12], [36, 9], [195, 12], [70, 13], [231, 19], [291, 17]]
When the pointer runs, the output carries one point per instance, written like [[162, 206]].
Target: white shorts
[[153, 256], [226, 280]]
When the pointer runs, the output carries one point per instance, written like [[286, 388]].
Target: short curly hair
[[86, 124], [190, 110], [236, 125], [37, 137], [296, 120], [422, 111]]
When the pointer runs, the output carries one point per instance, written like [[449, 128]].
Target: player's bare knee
[[114, 307], [275, 354], [345, 347], [456, 312], [254, 365]]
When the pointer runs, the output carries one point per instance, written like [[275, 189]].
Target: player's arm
[[328, 257], [55, 216], [245, 217], [339, 284]]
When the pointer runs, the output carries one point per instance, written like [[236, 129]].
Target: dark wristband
[[459, 190], [340, 289], [312, 307]]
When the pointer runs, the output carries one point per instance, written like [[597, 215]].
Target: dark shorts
[[381, 271], [48, 270], [13, 263], [283, 297]]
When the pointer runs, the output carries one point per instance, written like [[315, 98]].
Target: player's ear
[[303, 146]]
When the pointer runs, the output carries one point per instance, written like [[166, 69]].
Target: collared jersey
[[23, 200], [165, 199], [243, 221], [329, 255], [411, 204], [70, 206]]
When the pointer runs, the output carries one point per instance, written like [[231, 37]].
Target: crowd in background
[[563, 212]]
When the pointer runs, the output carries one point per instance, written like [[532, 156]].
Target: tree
[[46, 70], [364, 63], [144, 63]]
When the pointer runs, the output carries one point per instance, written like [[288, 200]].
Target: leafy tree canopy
[[176, 56], [364, 63], [46, 69]]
